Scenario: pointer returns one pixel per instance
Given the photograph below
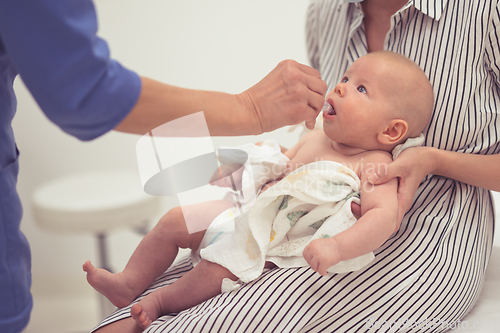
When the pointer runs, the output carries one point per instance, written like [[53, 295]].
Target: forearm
[[477, 170], [367, 234], [160, 103], [289, 94]]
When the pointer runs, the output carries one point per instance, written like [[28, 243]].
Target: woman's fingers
[[406, 192], [406, 187], [392, 170], [289, 94], [410, 168], [316, 103], [308, 70]]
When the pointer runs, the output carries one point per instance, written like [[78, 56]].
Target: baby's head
[[383, 99]]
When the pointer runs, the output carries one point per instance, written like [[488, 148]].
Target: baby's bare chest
[[313, 152]]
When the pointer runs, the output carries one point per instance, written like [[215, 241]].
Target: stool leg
[[106, 307], [103, 251], [143, 228]]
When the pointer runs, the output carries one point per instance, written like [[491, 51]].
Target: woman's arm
[[415, 163], [477, 170], [288, 95]]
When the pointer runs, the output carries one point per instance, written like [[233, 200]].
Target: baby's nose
[[339, 89]]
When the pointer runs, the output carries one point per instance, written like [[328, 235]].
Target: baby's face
[[363, 103]]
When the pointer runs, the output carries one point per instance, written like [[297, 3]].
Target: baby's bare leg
[[154, 255], [200, 284]]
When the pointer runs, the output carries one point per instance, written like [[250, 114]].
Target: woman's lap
[[424, 278], [300, 300]]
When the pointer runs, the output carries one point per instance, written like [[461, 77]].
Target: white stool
[[95, 203]]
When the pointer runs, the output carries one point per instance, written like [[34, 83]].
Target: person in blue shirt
[[52, 45]]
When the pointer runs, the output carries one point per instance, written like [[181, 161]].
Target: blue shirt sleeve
[[66, 67]]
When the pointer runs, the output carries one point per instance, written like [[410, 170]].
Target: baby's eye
[[362, 89], [344, 80]]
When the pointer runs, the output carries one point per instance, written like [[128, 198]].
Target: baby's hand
[[268, 185], [321, 254], [222, 176]]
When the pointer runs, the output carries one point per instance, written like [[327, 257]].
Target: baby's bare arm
[[290, 153], [379, 212]]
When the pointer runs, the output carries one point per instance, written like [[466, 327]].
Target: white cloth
[[411, 142], [314, 201], [265, 162], [229, 285]]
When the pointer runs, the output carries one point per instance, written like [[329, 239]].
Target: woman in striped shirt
[[429, 274]]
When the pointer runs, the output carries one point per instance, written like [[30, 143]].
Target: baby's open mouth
[[328, 109]]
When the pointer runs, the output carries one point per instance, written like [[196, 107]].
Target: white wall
[[225, 45]]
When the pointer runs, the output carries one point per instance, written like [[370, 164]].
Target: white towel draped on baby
[[314, 201]]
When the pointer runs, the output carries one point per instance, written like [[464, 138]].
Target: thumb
[[383, 174], [311, 124]]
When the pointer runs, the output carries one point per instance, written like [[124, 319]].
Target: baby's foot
[[146, 311], [113, 286]]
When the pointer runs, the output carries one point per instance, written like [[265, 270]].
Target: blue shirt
[[52, 45]]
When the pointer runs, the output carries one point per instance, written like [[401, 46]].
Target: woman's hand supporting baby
[[410, 168], [415, 163]]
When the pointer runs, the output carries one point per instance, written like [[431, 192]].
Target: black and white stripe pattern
[[430, 272]]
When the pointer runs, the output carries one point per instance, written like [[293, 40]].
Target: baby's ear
[[395, 131]]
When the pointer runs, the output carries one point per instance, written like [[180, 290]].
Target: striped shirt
[[429, 274]]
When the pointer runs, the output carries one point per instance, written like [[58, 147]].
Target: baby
[[382, 100]]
